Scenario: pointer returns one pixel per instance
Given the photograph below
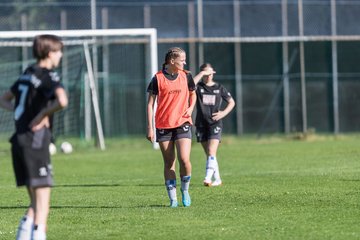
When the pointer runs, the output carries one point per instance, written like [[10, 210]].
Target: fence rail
[[249, 42]]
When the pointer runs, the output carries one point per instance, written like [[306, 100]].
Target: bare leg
[[210, 147], [42, 207], [183, 147], [213, 145], [31, 210], [168, 153]]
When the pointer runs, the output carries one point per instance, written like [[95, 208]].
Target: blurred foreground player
[[38, 93]]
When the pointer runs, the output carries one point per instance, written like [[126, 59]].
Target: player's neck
[[171, 70], [45, 63], [210, 83]]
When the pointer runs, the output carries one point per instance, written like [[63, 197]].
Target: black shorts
[[172, 134], [31, 158], [204, 134]]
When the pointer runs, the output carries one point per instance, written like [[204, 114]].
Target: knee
[[211, 152], [186, 163]]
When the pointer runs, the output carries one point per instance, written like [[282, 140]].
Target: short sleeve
[[153, 86], [191, 83], [51, 83], [225, 94]]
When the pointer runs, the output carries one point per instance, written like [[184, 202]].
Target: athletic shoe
[[207, 183], [173, 203], [216, 183], [186, 200]]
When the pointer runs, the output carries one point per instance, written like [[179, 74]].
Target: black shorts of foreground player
[[38, 94], [209, 126]]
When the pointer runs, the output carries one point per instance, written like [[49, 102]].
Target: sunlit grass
[[275, 187]]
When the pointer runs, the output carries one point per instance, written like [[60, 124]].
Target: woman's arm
[[198, 77], [59, 103], [192, 101], [221, 114], [6, 101], [150, 115]]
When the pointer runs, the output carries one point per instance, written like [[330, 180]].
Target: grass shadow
[[105, 185]]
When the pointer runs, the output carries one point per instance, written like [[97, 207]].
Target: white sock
[[171, 189], [25, 228], [210, 168], [217, 172], [39, 232], [185, 183]]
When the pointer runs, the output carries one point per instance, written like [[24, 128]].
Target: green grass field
[[274, 188]]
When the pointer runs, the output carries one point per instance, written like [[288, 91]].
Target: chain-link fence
[[291, 65]]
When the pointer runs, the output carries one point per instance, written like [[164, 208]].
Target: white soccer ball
[[66, 147], [52, 149]]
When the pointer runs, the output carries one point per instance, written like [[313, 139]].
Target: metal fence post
[[191, 31], [285, 59], [65, 69], [24, 50], [105, 74], [302, 67], [238, 72], [334, 69], [200, 31]]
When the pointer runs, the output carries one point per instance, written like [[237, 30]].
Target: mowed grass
[[274, 188]]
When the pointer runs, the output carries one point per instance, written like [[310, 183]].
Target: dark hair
[[205, 65], [173, 52], [43, 44]]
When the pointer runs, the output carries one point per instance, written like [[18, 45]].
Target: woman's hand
[[188, 112], [218, 115], [39, 122], [208, 71], [150, 135]]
